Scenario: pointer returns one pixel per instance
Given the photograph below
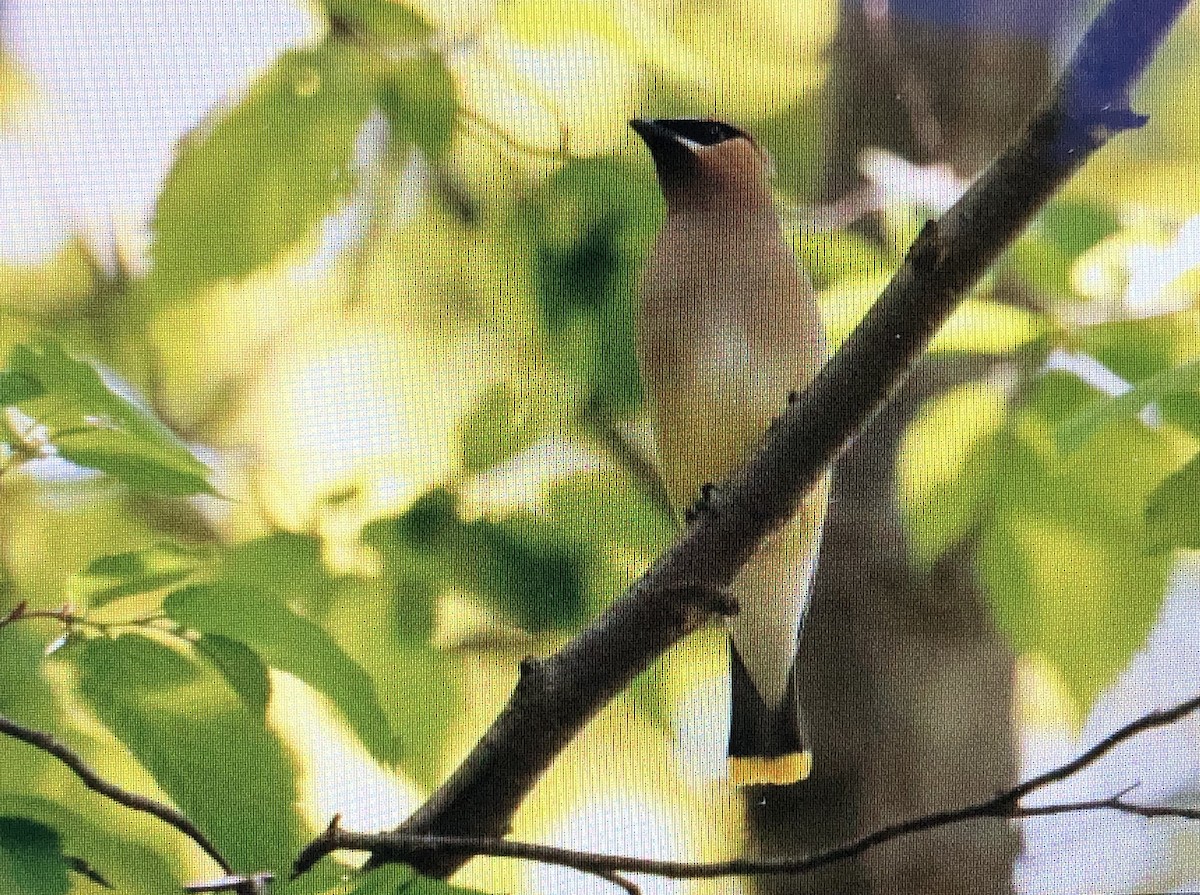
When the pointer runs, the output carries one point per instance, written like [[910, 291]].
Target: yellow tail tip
[[776, 770]]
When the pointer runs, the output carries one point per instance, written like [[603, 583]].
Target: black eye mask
[[701, 130]]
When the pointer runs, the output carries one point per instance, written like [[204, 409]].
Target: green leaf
[[414, 578], [527, 566], [613, 519], [989, 327], [615, 528], [509, 417], [1075, 225], [214, 757], [1183, 410], [1039, 264], [418, 98], [120, 575], [98, 831], [1063, 551], [586, 231], [389, 21], [1073, 433], [262, 175], [979, 325], [17, 387], [256, 609], [241, 667], [834, 255], [92, 426], [287, 566], [943, 482], [384, 624], [31, 861], [1173, 510]]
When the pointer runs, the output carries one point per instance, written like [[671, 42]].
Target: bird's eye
[[702, 130]]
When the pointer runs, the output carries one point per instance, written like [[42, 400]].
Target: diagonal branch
[[556, 696], [415, 848], [95, 782]]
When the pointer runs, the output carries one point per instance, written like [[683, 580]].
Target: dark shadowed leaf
[[241, 667], [528, 567], [17, 387], [97, 831], [31, 859], [588, 229]]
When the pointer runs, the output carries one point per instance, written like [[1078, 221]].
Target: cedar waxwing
[[729, 327]]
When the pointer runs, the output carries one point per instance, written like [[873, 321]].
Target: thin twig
[[83, 868], [409, 847], [610, 876], [18, 612], [72, 619], [47, 743], [1160, 718]]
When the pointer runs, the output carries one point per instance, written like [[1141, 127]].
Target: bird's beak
[[673, 157]]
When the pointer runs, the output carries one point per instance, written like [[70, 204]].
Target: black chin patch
[[701, 130]]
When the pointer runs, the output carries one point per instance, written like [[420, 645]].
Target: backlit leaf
[[1072, 433], [1063, 551], [942, 482], [91, 425], [257, 609], [1173, 510], [261, 175]]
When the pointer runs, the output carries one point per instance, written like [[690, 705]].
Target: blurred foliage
[[191, 730], [364, 417], [262, 175], [85, 422], [30, 858]]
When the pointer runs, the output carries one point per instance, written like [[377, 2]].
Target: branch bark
[[93, 781], [556, 696]]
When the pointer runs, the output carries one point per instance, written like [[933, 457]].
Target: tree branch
[[557, 695], [94, 781], [416, 848]]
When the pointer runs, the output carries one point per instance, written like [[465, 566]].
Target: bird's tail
[[767, 744]]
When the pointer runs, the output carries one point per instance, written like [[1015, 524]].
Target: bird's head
[[702, 160]]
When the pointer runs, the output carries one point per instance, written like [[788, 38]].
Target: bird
[[728, 331]]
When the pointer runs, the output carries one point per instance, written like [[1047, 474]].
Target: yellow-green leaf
[[259, 178]]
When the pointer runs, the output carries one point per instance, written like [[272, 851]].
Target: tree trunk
[[906, 681]]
